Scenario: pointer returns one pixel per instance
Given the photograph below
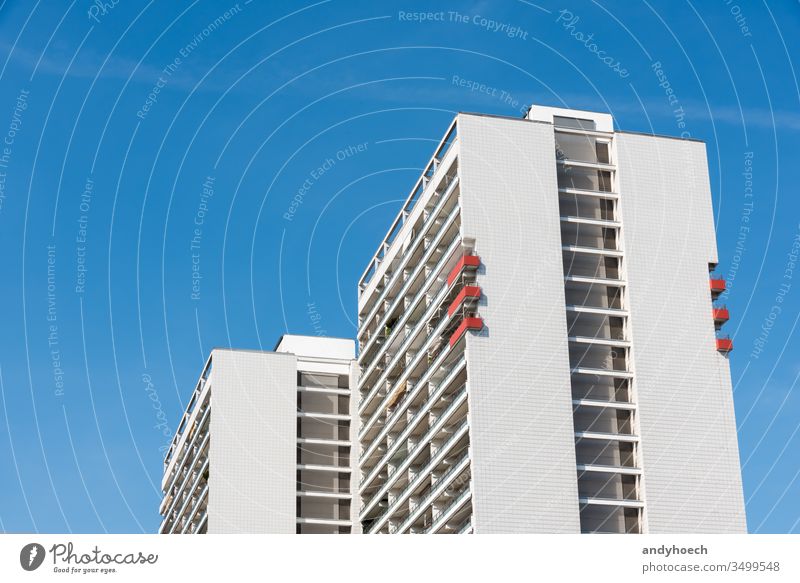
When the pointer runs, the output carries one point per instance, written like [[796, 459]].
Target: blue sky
[[156, 149]]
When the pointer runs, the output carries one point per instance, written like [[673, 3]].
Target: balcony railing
[[416, 193], [465, 528], [195, 507], [400, 325], [182, 509], [187, 446], [436, 524], [403, 374], [469, 323], [404, 369], [175, 495], [201, 383], [400, 409], [721, 315], [612, 502], [602, 372], [458, 433], [458, 398], [404, 290], [437, 489], [411, 455], [717, 285], [419, 240], [606, 436]]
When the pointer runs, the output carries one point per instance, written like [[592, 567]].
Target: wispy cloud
[[58, 62]]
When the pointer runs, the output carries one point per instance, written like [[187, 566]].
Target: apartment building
[[266, 444], [539, 343]]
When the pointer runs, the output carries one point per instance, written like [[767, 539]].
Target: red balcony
[[721, 315], [717, 286], [724, 345], [474, 323], [468, 294], [466, 262]]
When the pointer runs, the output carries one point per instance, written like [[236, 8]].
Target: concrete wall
[[253, 443], [692, 478], [522, 437]]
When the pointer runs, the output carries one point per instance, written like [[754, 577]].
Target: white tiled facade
[[538, 339], [687, 425], [251, 481], [265, 445], [521, 412]]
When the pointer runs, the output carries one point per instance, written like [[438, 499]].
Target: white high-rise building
[[539, 346], [267, 443]]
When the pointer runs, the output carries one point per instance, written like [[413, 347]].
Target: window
[[574, 122]]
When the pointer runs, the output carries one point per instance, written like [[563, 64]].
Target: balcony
[[598, 356], [473, 323], [595, 323], [594, 266], [608, 487], [610, 519], [437, 161], [437, 489], [412, 361], [724, 345], [411, 410], [424, 465], [587, 233], [455, 511], [603, 420], [717, 286], [466, 298], [589, 207], [409, 402], [434, 252], [721, 315], [577, 177], [407, 320], [582, 148], [422, 432], [584, 297], [466, 263]]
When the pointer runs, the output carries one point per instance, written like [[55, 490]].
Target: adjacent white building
[[538, 341], [266, 444]]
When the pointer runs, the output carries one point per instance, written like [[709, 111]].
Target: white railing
[[400, 325], [457, 400], [195, 508], [437, 489], [443, 148], [414, 274], [188, 472], [435, 516], [429, 315], [446, 224], [458, 433], [188, 412], [406, 371], [402, 403], [195, 483], [188, 446]]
